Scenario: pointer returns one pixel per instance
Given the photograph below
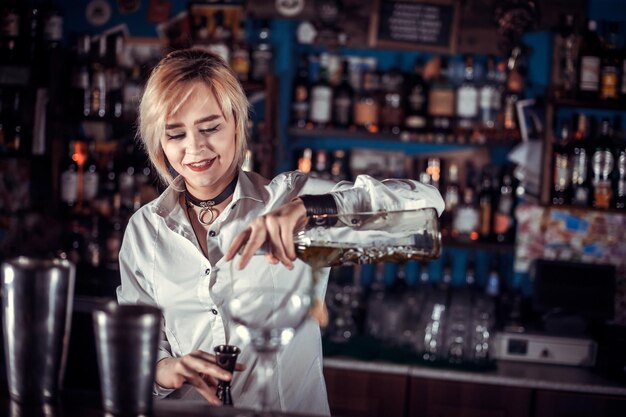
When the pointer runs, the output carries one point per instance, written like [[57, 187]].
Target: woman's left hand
[[277, 229]]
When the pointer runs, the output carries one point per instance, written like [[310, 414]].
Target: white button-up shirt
[[162, 264]]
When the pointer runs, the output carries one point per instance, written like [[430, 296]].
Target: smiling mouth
[[201, 165]]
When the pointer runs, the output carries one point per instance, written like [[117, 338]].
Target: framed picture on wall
[[425, 25]]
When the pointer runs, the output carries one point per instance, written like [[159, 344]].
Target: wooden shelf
[[588, 104], [478, 245], [405, 139]]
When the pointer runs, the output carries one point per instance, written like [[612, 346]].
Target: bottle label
[[467, 102], [579, 167], [69, 187], [441, 103], [466, 220], [416, 99], [300, 110], [608, 89], [321, 104], [415, 122], [602, 195], [561, 171], [365, 113], [589, 73], [343, 107], [581, 196]]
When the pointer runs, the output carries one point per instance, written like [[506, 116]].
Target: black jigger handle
[[226, 358]]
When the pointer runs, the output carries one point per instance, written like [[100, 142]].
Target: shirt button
[[207, 271], [212, 233], [214, 311]]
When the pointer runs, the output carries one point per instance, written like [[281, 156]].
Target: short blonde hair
[[171, 83]]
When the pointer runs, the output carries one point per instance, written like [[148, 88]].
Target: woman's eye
[[209, 130], [175, 136]]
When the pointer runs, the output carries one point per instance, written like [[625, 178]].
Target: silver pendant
[[203, 211]]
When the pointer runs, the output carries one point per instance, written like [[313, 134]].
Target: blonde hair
[[171, 83]]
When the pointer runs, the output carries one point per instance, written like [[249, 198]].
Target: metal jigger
[[226, 356]]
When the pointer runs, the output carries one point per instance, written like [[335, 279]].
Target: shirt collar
[[167, 202]]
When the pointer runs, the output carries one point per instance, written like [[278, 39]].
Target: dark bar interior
[[515, 110]]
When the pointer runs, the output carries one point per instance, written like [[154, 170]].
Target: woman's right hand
[[197, 368]]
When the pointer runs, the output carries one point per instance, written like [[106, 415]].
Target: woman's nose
[[198, 142]]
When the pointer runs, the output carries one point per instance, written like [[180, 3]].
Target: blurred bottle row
[[441, 100], [588, 62], [480, 201], [439, 321], [589, 163]]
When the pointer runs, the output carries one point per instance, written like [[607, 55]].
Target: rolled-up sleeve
[[369, 194]]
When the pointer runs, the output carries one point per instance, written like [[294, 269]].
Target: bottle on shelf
[[504, 218], [565, 56], [561, 172], [305, 162], [240, 56], [589, 62], [68, 187], [115, 234], [339, 166], [579, 160], [98, 81], [441, 102], [321, 97], [451, 197], [367, 103], [81, 88], [415, 115], [10, 41], [602, 163], [321, 168], [221, 38], [485, 205], [392, 109], [262, 53], [467, 97], [343, 99], [115, 78], [466, 220], [90, 174], [515, 85], [620, 186], [494, 279], [490, 97], [93, 246], [300, 100], [609, 64]]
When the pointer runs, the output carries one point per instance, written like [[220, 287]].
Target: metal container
[[37, 297], [127, 341]]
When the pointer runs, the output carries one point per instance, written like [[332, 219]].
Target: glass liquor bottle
[[392, 111], [490, 97], [589, 63], [69, 181], [466, 219], [441, 102], [262, 54], [504, 219], [467, 97], [565, 57], [300, 105], [415, 115], [514, 88], [115, 79], [321, 97], [451, 198], [620, 189], [579, 160], [367, 104], [81, 89], [240, 56], [561, 166], [602, 163], [221, 38], [609, 66], [98, 82], [485, 205], [343, 99]]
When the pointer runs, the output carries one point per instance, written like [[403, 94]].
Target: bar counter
[[75, 403]]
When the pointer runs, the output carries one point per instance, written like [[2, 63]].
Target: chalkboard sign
[[428, 25]]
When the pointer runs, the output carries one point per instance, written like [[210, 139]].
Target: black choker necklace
[[206, 206]]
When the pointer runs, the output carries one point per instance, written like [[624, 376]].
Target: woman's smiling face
[[199, 143]]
